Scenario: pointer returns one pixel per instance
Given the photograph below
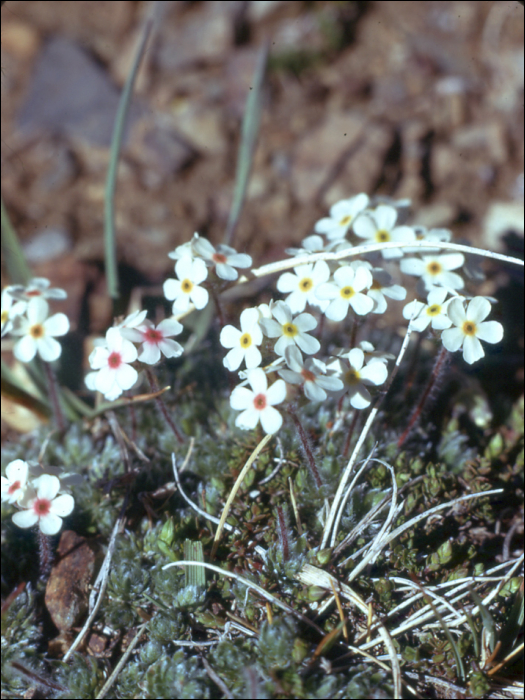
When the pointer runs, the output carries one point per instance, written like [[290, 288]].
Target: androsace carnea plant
[[303, 365]]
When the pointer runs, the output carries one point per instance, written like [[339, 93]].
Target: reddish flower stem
[[162, 406], [305, 442], [53, 395], [416, 413]]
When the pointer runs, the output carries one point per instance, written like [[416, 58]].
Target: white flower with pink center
[[42, 505], [39, 332], [311, 374], [258, 404], [15, 481], [37, 287], [224, 258], [114, 373], [187, 289], [470, 328], [156, 340]]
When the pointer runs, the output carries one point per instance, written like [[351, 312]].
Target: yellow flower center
[[5, 317], [382, 236], [290, 330], [347, 292], [186, 286], [345, 220], [469, 328], [352, 377], [246, 340], [37, 331], [306, 284], [434, 310], [434, 268]]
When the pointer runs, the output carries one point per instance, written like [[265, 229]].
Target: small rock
[[67, 588]]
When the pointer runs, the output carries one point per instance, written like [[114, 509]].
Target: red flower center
[[114, 360], [14, 486], [219, 258], [33, 293], [260, 402], [307, 375], [153, 336], [42, 506]]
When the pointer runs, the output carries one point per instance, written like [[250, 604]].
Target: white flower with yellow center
[[39, 332], [357, 377], [186, 289], [433, 312], [379, 226], [342, 216], [435, 270], [10, 310], [347, 290], [470, 328], [383, 286], [243, 343], [303, 284], [290, 330], [258, 404]]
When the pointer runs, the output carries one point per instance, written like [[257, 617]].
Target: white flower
[[434, 270], [155, 340], [311, 374], [42, 505], [185, 290], [434, 311], [224, 258], [37, 287], [342, 215], [132, 321], [470, 328], [185, 250], [290, 330], [39, 331], [356, 377], [311, 244], [10, 309], [379, 227], [114, 375], [258, 404], [244, 342], [15, 481], [345, 291], [303, 285], [383, 286]]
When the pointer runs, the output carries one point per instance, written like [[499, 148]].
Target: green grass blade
[[12, 254], [250, 130], [110, 244]]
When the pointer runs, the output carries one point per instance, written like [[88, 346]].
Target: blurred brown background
[[406, 99]]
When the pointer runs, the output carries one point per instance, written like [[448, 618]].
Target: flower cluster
[[40, 495], [113, 358], [339, 289]]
